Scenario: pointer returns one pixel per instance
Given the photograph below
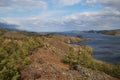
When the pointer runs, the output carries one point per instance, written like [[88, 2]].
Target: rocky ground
[[46, 62]]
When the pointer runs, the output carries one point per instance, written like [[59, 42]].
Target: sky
[[60, 15]]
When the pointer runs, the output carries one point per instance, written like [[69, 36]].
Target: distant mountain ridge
[[106, 32], [8, 26], [111, 32]]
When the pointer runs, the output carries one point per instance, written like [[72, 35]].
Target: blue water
[[106, 47]]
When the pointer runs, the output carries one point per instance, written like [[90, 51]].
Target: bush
[[14, 55], [27, 61], [83, 57]]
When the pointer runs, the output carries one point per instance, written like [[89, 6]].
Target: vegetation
[[14, 54], [110, 32], [83, 57], [15, 46]]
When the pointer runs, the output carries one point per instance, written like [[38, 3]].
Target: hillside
[[30, 56], [110, 32]]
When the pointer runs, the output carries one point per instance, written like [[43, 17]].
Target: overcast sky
[[60, 15]]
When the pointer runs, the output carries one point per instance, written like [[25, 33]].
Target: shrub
[[83, 57], [27, 61], [9, 74], [14, 55]]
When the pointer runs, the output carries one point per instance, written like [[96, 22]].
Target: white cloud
[[22, 3], [110, 3], [68, 2], [106, 18], [90, 2]]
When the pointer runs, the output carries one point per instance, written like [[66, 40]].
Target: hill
[[106, 32], [110, 32], [31, 56]]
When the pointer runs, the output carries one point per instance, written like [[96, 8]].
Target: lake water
[[106, 47]]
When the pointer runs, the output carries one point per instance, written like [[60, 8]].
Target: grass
[[14, 55], [84, 57]]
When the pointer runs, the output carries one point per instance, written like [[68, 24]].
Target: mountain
[[106, 32], [8, 26], [111, 32]]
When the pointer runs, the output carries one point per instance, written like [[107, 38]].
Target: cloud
[[110, 3], [90, 2], [68, 2], [107, 17], [22, 3], [104, 19], [40, 22], [4, 24]]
